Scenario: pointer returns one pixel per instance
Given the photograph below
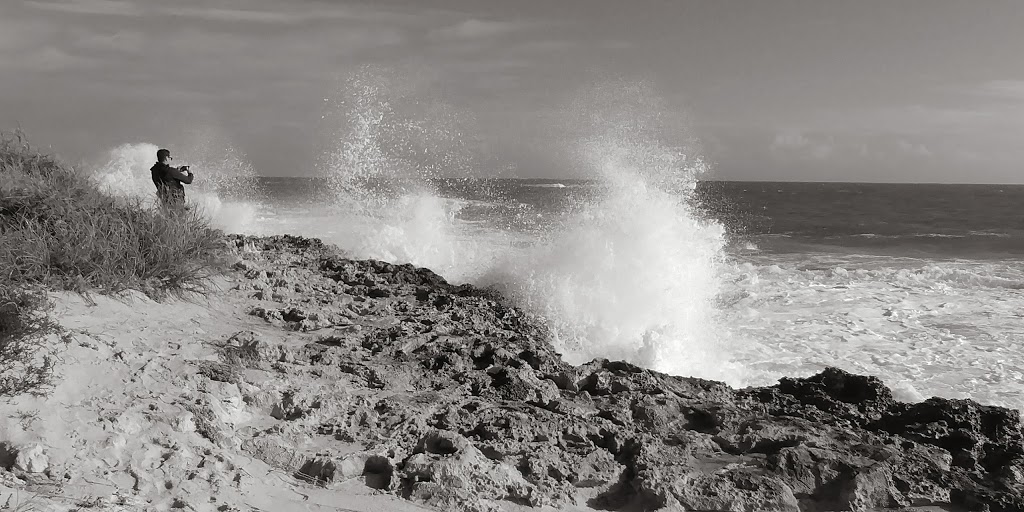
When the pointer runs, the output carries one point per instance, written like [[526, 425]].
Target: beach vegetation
[[59, 231], [26, 333]]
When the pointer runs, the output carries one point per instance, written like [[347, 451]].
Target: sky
[[804, 90]]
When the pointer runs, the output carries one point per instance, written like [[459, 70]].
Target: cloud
[[236, 15], [18, 35], [545, 46], [798, 146], [791, 140], [253, 11], [912, 149], [793, 145], [1005, 89], [616, 44], [122, 41], [261, 63], [28, 46], [235, 64], [908, 121], [475, 29], [105, 7], [278, 16], [47, 59]]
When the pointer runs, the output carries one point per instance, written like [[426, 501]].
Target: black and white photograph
[[512, 256]]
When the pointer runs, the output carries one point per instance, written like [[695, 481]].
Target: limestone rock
[[32, 458], [449, 460], [457, 399]]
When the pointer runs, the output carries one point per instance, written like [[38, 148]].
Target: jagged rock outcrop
[[449, 396]]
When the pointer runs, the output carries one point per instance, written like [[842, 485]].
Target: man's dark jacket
[[168, 182]]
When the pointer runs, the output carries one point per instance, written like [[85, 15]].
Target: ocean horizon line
[[595, 180]]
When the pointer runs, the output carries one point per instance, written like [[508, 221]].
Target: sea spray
[[392, 140], [224, 188], [632, 272], [225, 172], [125, 172]]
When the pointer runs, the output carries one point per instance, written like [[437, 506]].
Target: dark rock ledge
[[448, 396]]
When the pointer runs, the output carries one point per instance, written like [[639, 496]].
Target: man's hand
[[182, 174]]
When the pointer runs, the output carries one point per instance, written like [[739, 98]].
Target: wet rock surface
[[449, 396]]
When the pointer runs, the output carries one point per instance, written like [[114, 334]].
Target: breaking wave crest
[[391, 139], [631, 272]]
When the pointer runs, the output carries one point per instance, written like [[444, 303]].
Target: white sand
[[115, 435]]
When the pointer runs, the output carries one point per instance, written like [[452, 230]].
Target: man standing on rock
[[168, 181]]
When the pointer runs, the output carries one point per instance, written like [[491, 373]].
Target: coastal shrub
[[26, 360], [58, 229]]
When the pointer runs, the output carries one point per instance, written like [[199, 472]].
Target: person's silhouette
[[169, 180]]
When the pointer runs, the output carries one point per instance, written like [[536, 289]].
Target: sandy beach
[[117, 434]]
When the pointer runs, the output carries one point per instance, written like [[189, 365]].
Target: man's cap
[[161, 153]]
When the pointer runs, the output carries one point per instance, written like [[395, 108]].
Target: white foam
[[125, 173], [631, 276], [390, 143], [631, 273], [927, 328], [233, 216]]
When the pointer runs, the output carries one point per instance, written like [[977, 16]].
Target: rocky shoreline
[[449, 397], [309, 381]]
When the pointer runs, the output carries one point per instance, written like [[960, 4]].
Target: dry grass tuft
[[59, 231]]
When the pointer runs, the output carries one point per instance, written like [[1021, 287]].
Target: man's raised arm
[[185, 178]]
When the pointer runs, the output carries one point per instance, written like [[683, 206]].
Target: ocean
[[745, 282]]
